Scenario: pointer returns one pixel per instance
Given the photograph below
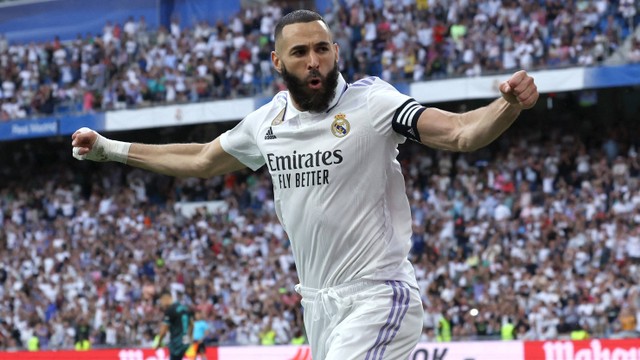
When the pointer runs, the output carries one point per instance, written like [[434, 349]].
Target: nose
[[314, 60]]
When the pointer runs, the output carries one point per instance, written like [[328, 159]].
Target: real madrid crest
[[340, 126]]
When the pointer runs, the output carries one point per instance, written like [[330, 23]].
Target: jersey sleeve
[[240, 142], [393, 112]]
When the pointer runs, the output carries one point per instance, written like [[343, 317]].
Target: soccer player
[[178, 321], [331, 149]]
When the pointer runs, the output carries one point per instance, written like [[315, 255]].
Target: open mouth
[[315, 83]]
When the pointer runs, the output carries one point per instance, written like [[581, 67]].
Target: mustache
[[315, 73]]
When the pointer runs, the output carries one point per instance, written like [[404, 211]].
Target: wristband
[[105, 149], [114, 150]]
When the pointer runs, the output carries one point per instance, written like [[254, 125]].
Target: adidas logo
[[269, 135]]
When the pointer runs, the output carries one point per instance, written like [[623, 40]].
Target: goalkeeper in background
[[178, 321]]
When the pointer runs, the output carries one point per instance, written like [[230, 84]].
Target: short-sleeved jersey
[[178, 317], [338, 188], [200, 328]]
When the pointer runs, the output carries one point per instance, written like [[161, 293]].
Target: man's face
[[319, 96], [165, 302], [308, 62]]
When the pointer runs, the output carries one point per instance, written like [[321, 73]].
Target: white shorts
[[363, 320]]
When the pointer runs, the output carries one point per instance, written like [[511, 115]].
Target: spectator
[[134, 65]]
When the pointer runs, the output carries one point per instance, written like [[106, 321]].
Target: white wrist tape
[[105, 149]]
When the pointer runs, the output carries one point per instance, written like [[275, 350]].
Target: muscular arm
[[475, 129], [184, 160], [181, 160], [468, 131]]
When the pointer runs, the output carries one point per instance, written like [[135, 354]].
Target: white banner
[[175, 115], [189, 208], [481, 350], [265, 353], [486, 87]]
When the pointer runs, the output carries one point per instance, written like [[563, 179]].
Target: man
[[178, 321], [200, 331], [339, 192]]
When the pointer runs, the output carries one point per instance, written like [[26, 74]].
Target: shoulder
[[280, 98], [277, 102], [371, 83], [267, 111], [365, 82], [370, 86]]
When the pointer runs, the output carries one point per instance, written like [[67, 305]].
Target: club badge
[[340, 126]]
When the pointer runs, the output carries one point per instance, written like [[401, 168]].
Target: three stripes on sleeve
[[405, 119]]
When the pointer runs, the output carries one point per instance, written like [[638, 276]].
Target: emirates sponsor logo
[[565, 350]]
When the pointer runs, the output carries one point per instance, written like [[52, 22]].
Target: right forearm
[[180, 160]]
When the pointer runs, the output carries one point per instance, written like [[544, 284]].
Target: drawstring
[[324, 297], [335, 301]]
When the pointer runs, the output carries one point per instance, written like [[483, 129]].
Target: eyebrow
[[304, 47]]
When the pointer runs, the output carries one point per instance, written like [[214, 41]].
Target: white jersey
[[338, 188]]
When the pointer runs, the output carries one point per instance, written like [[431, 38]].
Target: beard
[[309, 99]]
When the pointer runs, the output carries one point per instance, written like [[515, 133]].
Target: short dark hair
[[295, 17]]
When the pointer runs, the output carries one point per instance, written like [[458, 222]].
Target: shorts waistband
[[348, 288]]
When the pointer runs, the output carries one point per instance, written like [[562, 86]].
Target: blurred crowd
[[85, 262], [538, 234], [130, 64]]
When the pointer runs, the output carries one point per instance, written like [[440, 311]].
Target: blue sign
[[69, 124], [22, 129], [612, 76]]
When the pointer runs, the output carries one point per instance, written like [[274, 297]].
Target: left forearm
[[468, 131], [479, 127]]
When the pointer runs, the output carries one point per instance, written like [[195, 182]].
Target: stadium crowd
[[539, 234], [130, 64]]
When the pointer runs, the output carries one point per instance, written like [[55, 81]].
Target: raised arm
[[475, 129], [181, 160]]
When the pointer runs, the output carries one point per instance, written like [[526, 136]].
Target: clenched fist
[[89, 145], [520, 90]]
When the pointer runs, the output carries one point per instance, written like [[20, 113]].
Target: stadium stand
[[540, 231], [130, 64]]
